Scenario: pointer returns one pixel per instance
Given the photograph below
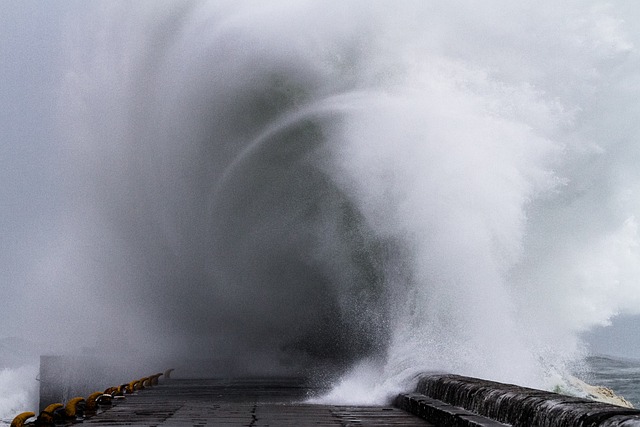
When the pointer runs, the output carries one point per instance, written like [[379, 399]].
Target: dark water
[[620, 375]]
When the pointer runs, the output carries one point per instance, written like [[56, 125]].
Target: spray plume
[[360, 189]]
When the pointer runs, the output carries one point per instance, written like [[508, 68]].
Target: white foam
[[18, 391]]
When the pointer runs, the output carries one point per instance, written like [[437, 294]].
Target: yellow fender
[[105, 400], [167, 373], [72, 406], [121, 390], [21, 418], [44, 419], [132, 386], [46, 416], [52, 408], [111, 390], [154, 378], [92, 405]]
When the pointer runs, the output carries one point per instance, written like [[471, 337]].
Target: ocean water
[[619, 374]]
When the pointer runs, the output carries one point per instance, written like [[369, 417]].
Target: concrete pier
[[438, 400], [242, 402]]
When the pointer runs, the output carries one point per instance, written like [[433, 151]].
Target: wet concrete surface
[[242, 402]]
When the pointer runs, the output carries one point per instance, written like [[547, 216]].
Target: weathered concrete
[[510, 404], [442, 414], [238, 402]]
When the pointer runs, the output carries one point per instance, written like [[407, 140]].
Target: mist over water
[[361, 191]]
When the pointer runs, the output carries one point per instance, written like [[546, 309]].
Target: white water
[[444, 186], [18, 392]]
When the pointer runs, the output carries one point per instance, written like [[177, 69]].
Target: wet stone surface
[[249, 402]]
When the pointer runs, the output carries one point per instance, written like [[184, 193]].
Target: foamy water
[[18, 392], [619, 374]]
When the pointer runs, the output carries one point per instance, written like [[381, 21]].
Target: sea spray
[[366, 189], [18, 392]]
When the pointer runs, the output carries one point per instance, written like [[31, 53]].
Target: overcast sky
[[30, 71]]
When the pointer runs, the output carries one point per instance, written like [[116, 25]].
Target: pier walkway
[[438, 399], [241, 402]]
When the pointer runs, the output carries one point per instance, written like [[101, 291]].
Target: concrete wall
[[63, 377], [511, 404]]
